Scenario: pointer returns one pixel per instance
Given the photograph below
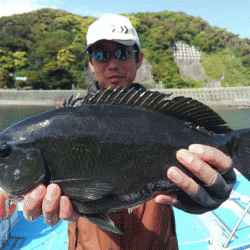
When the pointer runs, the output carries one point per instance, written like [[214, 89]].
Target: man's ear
[[91, 65], [140, 59]]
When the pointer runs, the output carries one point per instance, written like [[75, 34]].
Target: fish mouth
[[26, 190]]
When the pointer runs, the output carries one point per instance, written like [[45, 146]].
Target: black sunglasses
[[103, 56]]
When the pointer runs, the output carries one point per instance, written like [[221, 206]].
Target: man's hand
[[208, 164], [49, 202]]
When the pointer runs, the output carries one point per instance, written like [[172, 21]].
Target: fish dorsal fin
[[184, 109], [72, 101], [195, 114], [127, 97]]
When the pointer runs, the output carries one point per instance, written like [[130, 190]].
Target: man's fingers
[[51, 203], [32, 203], [212, 156], [198, 167], [166, 199], [66, 211], [187, 184]]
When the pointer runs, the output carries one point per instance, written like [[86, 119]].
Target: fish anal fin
[[104, 222]]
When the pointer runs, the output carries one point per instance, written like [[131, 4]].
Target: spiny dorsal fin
[[127, 97], [181, 108], [71, 102]]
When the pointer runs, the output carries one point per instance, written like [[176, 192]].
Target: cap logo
[[120, 29]]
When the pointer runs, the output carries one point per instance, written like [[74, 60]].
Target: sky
[[234, 16]]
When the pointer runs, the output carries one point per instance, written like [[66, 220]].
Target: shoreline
[[229, 106], [21, 103], [37, 97], [236, 98], [25, 103]]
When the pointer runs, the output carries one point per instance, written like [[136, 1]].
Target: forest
[[47, 45]]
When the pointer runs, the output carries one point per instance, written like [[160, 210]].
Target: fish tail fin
[[241, 153]]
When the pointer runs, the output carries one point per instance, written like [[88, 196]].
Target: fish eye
[[5, 149]]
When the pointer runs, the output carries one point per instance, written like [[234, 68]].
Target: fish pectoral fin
[[103, 221], [84, 189]]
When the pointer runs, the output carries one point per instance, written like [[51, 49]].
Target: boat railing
[[222, 233], [237, 225]]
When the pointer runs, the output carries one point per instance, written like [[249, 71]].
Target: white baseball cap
[[115, 28]]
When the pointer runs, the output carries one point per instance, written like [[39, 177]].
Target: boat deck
[[37, 235]]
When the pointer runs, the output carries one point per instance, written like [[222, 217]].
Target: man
[[115, 56]]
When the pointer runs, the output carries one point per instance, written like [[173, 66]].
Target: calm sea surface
[[10, 115], [235, 118]]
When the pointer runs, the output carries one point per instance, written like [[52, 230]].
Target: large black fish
[[109, 153]]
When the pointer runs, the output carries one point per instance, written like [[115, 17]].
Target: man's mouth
[[114, 79]]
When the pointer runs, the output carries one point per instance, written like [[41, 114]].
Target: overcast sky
[[234, 16]]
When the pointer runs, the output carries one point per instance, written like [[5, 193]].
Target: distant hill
[[46, 47]]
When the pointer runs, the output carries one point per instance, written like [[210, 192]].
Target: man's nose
[[113, 62]]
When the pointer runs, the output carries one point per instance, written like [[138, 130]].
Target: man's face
[[114, 72]]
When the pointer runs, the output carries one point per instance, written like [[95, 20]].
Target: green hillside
[[46, 46]]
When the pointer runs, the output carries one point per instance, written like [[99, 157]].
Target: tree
[[6, 80], [65, 58], [59, 79], [20, 59], [35, 80]]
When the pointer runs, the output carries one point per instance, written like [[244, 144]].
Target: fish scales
[[111, 152]]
